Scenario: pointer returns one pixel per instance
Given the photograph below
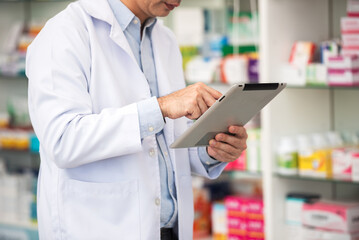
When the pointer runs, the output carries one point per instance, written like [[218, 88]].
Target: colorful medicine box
[[342, 164], [332, 216], [350, 40], [353, 8], [315, 234]]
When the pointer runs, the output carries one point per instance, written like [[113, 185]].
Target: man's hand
[[227, 148], [190, 102]]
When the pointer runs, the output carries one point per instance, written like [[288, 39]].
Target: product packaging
[[234, 69], [199, 69], [350, 40], [317, 74], [332, 216], [293, 75], [349, 25], [349, 51], [240, 164], [343, 77], [343, 62], [329, 49], [219, 221], [342, 164], [294, 204], [302, 53], [355, 162], [353, 8], [316, 234]]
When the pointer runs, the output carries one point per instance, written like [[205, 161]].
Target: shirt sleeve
[[206, 160], [150, 117]]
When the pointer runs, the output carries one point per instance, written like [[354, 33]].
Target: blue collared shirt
[[150, 115]]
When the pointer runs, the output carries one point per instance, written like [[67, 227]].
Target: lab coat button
[[157, 201], [151, 129], [166, 154], [152, 152]]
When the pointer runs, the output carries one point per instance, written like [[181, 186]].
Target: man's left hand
[[228, 147]]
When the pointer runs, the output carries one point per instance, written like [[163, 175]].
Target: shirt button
[[157, 201], [151, 129], [208, 163], [152, 152], [135, 21]]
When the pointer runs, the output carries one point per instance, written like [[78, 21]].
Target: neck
[[135, 9]]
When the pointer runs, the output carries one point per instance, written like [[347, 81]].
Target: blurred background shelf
[[18, 231], [305, 178]]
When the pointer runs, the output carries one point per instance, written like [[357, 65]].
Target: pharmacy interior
[[298, 178]]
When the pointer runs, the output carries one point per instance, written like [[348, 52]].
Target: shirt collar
[[123, 15]]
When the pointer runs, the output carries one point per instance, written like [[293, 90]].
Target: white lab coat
[[98, 179]]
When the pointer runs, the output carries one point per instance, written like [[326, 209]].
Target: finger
[[216, 94], [225, 148], [220, 155], [202, 105], [240, 131], [208, 98], [234, 141], [194, 112]]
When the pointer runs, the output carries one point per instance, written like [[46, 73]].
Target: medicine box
[[333, 216], [343, 62], [343, 77], [315, 234], [219, 221], [315, 164], [353, 8], [355, 162], [350, 40], [349, 25], [342, 164], [294, 204]]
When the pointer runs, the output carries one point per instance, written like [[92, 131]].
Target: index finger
[[216, 94]]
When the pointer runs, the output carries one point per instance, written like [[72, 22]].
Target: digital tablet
[[236, 107]]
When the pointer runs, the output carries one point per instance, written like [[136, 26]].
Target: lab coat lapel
[[101, 10]]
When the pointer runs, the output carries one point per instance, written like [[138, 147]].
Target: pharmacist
[[106, 98]]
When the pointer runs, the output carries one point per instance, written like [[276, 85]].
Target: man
[[106, 98]]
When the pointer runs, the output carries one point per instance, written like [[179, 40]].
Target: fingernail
[[212, 142]]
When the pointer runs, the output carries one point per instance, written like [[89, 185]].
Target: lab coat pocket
[[100, 210]]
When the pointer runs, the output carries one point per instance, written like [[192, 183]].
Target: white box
[[342, 164], [315, 234], [343, 62], [343, 77], [350, 40], [355, 169], [349, 25]]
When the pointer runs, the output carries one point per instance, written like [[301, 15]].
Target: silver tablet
[[236, 107]]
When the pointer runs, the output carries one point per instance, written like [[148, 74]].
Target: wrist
[[161, 103]]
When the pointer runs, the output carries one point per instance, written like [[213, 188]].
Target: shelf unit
[[301, 110]]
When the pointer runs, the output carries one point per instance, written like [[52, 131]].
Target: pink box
[[239, 164], [343, 62], [255, 208], [236, 237], [349, 25], [335, 216], [255, 235], [255, 225], [343, 77], [236, 206], [250, 207], [237, 223]]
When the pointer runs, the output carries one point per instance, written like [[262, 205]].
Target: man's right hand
[[190, 102]]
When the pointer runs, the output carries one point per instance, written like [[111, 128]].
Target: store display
[[332, 216], [317, 74], [294, 205], [302, 53], [219, 221], [315, 234], [287, 155], [353, 8]]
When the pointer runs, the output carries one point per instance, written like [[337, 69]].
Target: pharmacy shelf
[[17, 160], [13, 77], [305, 178], [324, 87], [19, 231]]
